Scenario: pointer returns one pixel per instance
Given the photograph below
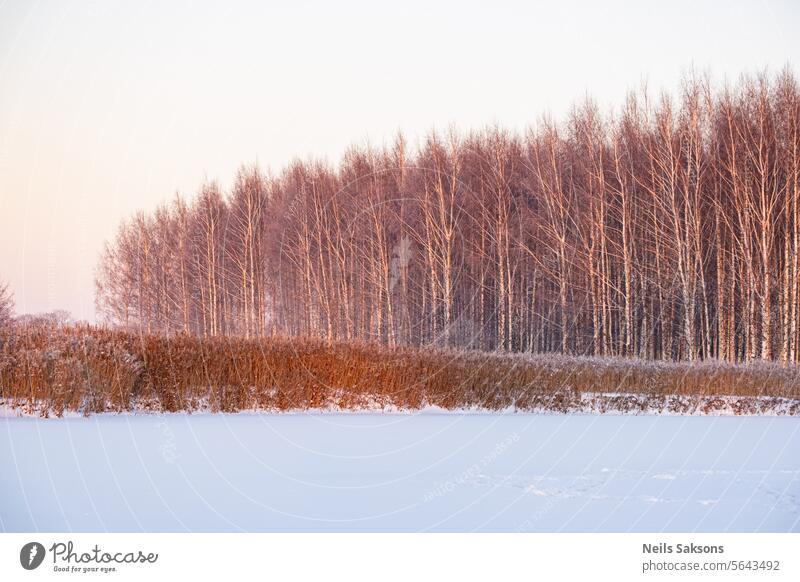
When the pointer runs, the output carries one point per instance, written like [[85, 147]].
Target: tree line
[[669, 229]]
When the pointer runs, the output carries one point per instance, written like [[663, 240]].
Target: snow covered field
[[400, 472]]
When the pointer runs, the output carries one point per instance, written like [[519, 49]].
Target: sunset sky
[[110, 107]]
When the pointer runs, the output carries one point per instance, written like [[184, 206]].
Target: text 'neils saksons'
[[663, 548]]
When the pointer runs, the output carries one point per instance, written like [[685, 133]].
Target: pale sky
[[109, 107]]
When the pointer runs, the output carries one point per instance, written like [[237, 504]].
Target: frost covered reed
[[51, 369]]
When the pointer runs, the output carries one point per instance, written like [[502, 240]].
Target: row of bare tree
[[670, 230]]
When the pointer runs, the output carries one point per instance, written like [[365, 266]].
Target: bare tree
[[6, 304], [668, 231]]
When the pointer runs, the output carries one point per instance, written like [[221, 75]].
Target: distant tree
[[6, 304], [57, 318]]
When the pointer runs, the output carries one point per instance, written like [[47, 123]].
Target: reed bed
[[50, 370]]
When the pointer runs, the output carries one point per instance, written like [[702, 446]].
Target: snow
[[575, 403], [400, 472]]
